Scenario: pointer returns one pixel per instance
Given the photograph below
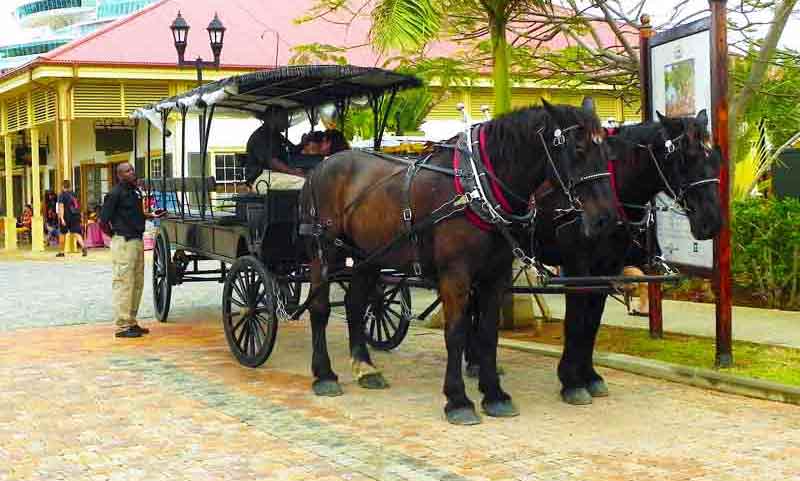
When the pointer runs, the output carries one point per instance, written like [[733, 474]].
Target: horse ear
[[588, 106], [661, 117], [702, 118], [549, 108]]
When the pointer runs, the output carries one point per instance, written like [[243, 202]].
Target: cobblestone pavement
[[40, 293], [78, 291], [77, 404]]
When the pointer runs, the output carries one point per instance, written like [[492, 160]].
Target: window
[[228, 168], [155, 168]]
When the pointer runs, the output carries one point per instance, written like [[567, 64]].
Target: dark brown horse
[[668, 156], [355, 202]]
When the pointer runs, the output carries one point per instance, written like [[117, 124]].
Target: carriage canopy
[[291, 88]]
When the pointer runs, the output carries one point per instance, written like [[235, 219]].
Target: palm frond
[[405, 25]]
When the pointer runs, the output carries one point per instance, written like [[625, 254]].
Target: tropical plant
[[766, 249]]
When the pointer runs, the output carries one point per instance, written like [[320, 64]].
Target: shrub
[[766, 249]]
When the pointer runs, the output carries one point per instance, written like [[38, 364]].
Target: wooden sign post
[[719, 122]]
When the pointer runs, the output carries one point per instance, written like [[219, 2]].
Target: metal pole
[[149, 160], [164, 118], [184, 109], [719, 125], [654, 294]]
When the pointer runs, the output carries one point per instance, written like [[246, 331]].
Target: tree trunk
[[500, 69], [742, 99]]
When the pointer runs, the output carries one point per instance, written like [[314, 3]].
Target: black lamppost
[[216, 35]]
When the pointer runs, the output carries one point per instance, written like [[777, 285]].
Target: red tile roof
[[250, 40]]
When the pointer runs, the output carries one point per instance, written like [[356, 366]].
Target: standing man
[[123, 219], [69, 214]]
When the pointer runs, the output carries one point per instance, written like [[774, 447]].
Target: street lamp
[[216, 33], [180, 34]]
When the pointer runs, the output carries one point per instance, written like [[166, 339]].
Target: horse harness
[[479, 193]]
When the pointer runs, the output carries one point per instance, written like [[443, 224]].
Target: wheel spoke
[[388, 319]]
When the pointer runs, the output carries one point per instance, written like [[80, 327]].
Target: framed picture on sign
[[681, 70]]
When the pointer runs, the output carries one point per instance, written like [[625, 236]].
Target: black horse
[[668, 156], [358, 203]]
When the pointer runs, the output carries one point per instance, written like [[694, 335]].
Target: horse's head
[[692, 171], [576, 142]]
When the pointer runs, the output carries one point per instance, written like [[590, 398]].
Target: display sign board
[[681, 87], [681, 70], [678, 246]]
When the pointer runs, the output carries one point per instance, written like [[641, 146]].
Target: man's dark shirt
[[66, 199], [264, 144], [122, 208]]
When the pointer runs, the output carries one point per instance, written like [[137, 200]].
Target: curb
[[693, 376]]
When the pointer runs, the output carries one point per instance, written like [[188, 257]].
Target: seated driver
[[267, 148]]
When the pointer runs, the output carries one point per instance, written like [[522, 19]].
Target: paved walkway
[[78, 291], [77, 404]]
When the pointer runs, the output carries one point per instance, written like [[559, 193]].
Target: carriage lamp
[[180, 33], [216, 33]]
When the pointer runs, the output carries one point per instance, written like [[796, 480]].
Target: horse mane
[[511, 135]]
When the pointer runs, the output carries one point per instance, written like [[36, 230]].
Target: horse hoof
[[597, 388], [577, 396], [326, 387], [374, 380], [500, 409], [463, 417]]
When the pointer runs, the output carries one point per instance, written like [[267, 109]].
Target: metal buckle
[[670, 146], [338, 242], [559, 138], [522, 257], [407, 215], [417, 268]]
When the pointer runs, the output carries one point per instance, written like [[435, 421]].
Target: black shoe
[[84, 252], [129, 332], [140, 329], [60, 254]]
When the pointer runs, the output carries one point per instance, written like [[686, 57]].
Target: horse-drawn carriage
[[450, 220], [254, 237]]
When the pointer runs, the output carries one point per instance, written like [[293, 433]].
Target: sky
[[659, 11]]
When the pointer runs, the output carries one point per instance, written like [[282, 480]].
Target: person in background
[[69, 214], [26, 218], [333, 141], [123, 218], [311, 143]]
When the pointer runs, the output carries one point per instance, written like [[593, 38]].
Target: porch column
[[37, 223], [64, 128], [10, 222]]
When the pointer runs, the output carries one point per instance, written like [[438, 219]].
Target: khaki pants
[[127, 260], [277, 181], [640, 288]]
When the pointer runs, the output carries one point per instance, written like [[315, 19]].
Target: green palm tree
[[410, 25]]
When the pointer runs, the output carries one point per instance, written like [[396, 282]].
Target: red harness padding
[[472, 217], [617, 203]]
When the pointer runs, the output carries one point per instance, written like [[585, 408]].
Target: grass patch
[[759, 361]]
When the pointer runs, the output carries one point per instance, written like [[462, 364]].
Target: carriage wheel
[[388, 316], [162, 276], [249, 311]]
